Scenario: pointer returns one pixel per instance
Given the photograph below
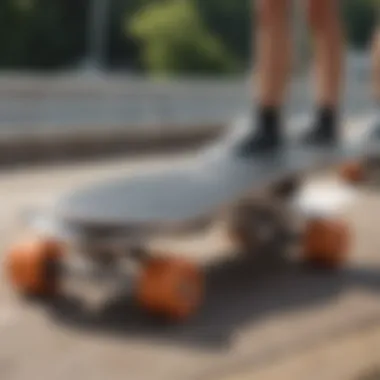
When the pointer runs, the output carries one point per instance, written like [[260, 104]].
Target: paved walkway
[[355, 356]]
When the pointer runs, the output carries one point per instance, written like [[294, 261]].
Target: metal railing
[[30, 104]]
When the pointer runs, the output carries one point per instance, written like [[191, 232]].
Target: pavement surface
[[354, 356], [256, 321]]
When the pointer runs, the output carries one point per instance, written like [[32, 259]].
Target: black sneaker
[[266, 137], [324, 131]]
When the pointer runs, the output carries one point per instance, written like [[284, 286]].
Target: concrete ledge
[[62, 145]]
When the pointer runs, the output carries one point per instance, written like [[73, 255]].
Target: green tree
[[175, 39], [161, 36], [122, 49], [41, 33], [233, 22], [360, 19]]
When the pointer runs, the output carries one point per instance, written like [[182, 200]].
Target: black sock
[[269, 121], [326, 120]]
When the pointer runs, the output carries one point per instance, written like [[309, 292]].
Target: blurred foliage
[[175, 38], [157, 36], [41, 33], [360, 18]]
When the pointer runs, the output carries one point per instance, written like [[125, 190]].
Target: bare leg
[[273, 44], [273, 39], [324, 20], [375, 53], [376, 66]]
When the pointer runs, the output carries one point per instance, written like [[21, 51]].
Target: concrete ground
[[354, 356], [257, 323]]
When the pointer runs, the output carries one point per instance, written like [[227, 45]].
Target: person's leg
[[376, 67], [328, 41], [375, 76], [273, 40]]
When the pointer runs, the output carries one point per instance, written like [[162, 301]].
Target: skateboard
[[108, 226]]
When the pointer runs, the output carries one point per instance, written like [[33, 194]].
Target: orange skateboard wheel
[[29, 267], [353, 172], [326, 243], [170, 287]]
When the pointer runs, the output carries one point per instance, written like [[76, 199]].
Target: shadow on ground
[[238, 294]]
